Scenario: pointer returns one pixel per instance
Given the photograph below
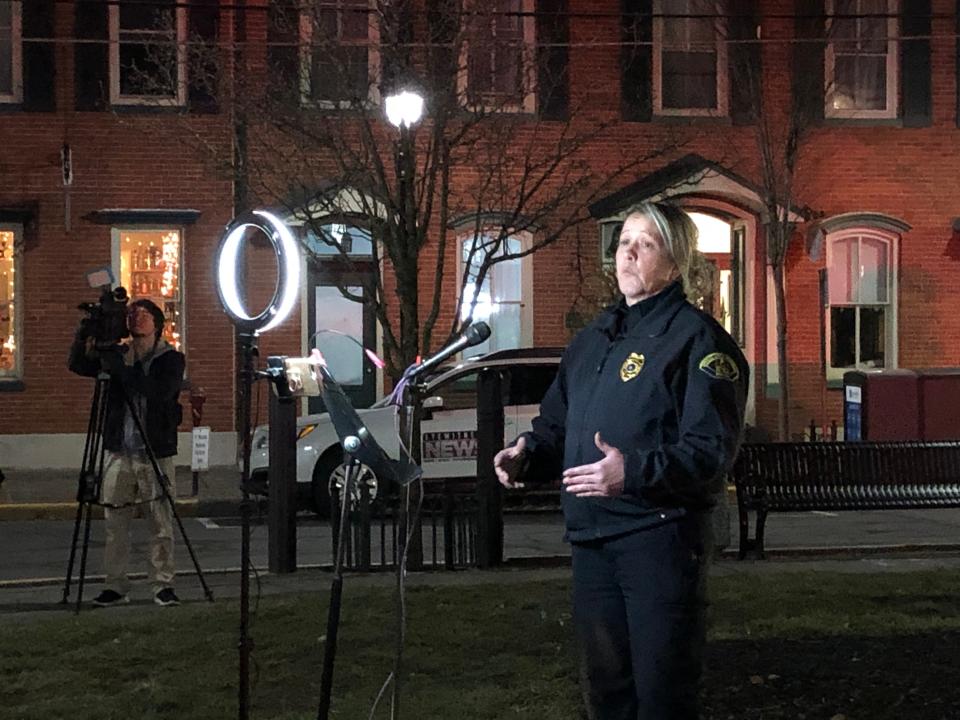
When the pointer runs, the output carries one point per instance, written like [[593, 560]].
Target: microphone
[[474, 335]]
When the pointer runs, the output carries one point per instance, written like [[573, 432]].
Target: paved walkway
[[38, 508], [51, 494]]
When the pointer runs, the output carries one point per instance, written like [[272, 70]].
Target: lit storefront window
[[150, 268], [9, 300]]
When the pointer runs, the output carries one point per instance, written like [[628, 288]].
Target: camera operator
[[150, 371]]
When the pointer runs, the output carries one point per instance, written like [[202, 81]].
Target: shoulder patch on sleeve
[[720, 366]]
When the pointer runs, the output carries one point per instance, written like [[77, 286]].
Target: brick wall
[[120, 160], [138, 160]]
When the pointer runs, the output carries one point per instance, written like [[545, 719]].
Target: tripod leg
[[336, 592], [245, 645], [83, 554], [91, 469], [73, 553], [208, 593]]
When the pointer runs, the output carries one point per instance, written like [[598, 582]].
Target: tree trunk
[[409, 323], [783, 410]]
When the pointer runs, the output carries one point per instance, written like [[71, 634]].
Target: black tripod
[[91, 480], [350, 444]]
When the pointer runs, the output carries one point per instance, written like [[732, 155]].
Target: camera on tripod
[[106, 320]]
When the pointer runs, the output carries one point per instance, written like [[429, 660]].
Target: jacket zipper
[[606, 354], [590, 414]]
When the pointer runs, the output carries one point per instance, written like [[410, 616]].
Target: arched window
[[340, 252], [861, 300], [502, 298]]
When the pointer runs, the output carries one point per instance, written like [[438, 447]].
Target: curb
[[186, 507], [840, 552]]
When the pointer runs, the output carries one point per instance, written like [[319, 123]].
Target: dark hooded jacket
[[154, 384], [666, 385]]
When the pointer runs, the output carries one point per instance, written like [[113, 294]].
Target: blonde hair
[[677, 230]]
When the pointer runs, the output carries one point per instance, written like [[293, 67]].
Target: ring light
[[288, 261]]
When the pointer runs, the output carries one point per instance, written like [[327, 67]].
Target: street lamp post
[[404, 109]]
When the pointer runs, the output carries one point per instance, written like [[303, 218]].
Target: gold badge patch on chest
[[720, 366], [631, 366]]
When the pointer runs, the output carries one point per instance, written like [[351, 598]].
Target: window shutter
[[443, 25], [91, 59], [808, 67], [397, 61], [39, 66], [636, 60], [203, 61], [957, 28], [745, 69], [915, 63], [283, 40], [553, 76]]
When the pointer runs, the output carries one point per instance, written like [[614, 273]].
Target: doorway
[[341, 328]]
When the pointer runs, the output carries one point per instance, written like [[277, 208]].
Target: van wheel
[[329, 475]]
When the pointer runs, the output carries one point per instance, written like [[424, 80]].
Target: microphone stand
[[350, 444]]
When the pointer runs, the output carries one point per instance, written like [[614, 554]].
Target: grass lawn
[[790, 645]]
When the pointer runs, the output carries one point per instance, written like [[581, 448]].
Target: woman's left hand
[[603, 478]]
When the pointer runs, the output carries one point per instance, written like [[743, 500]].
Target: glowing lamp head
[[288, 261], [405, 108]]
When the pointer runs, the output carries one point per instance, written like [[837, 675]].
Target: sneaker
[[107, 598], [166, 598]]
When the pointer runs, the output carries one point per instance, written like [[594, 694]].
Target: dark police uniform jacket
[[666, 385]]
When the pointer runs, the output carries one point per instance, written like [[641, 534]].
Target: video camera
[[106, 319]]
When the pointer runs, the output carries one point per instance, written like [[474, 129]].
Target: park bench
[[838, 476]]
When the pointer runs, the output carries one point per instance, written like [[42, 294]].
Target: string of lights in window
[[154, 273]]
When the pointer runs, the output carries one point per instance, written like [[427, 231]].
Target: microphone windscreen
[[477, 333]]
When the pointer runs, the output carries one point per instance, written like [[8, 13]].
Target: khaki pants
[[126, 480]]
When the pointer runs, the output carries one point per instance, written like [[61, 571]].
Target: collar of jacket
[[653, 325], [159, 348]]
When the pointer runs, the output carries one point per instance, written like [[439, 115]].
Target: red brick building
[[99, 169]]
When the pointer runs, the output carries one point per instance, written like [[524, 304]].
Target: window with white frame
[[501, 299], [861, 59], [497, 58], [690, 58], [11, 67], [861, 297], [339, 59], [150, 268], [148, 61], [11, 356]]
